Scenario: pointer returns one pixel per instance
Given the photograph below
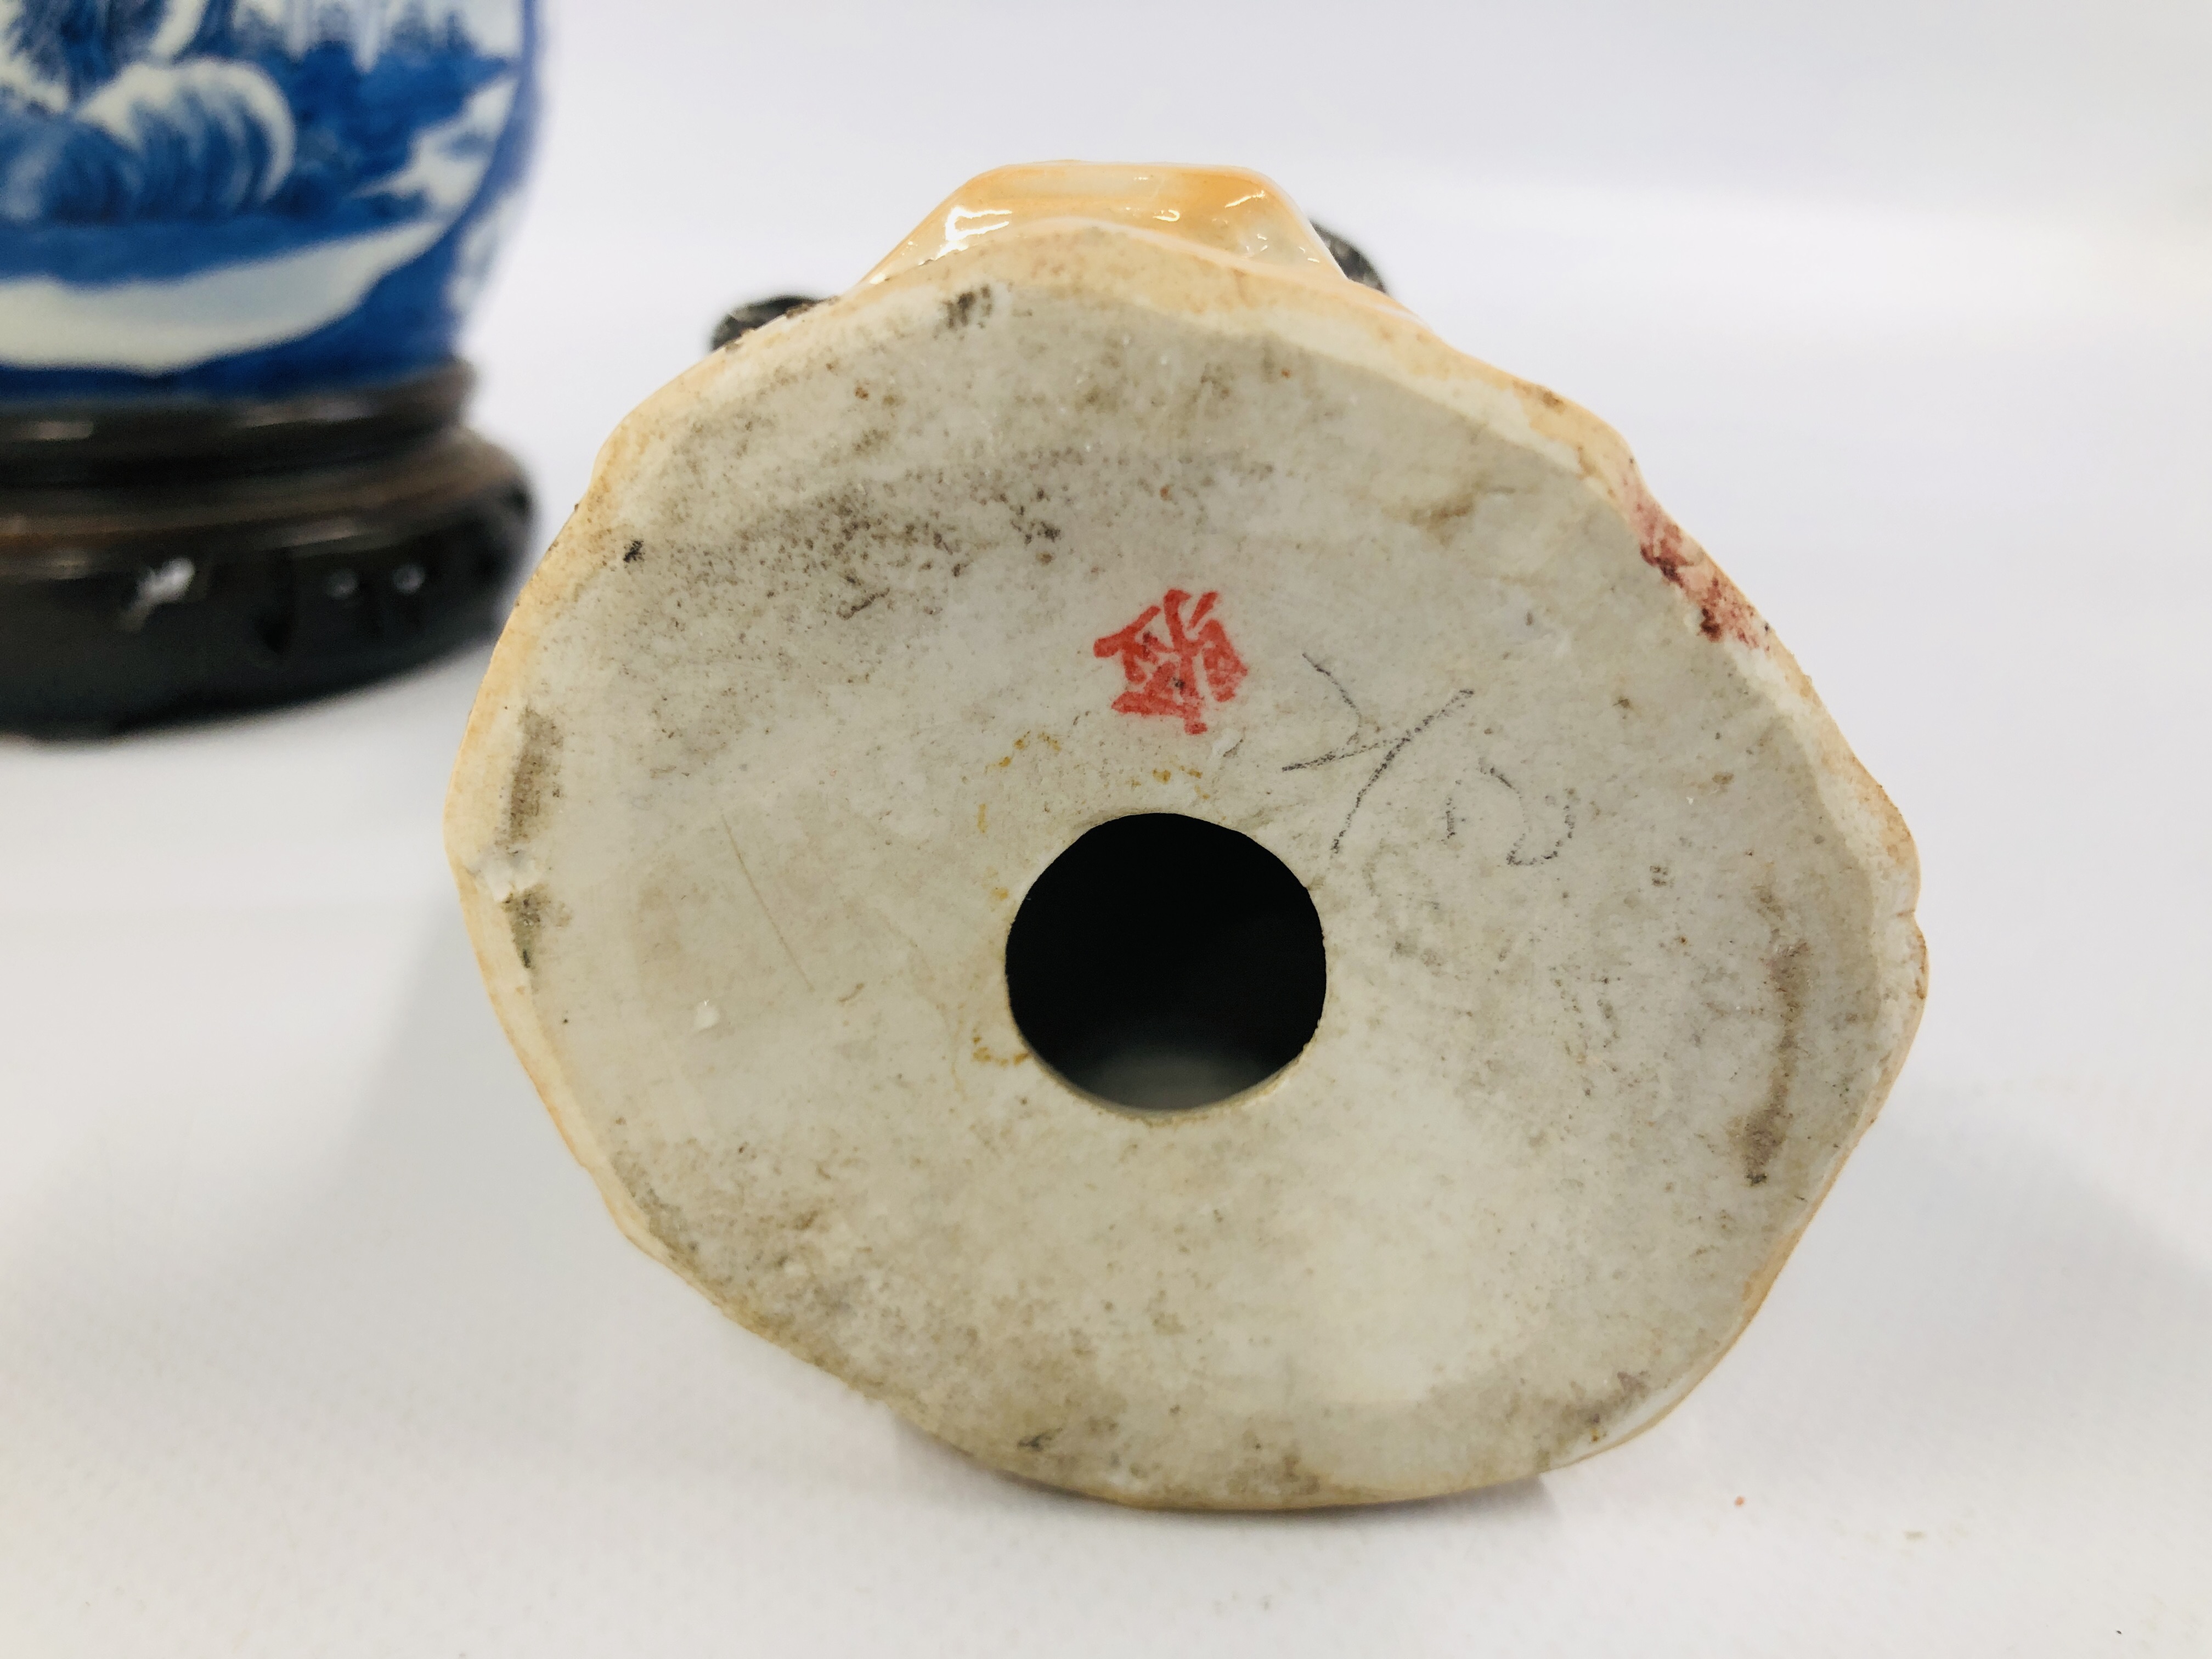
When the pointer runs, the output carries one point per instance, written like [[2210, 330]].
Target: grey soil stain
[[1758, 1136], [529, 912], [536, 783]]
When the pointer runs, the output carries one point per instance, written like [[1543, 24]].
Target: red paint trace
[[1724, 613], [1174, 677]]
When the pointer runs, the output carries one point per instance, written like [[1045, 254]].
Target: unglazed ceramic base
[[841, 649]]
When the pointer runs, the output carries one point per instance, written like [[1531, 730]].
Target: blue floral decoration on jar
[[248, 197]]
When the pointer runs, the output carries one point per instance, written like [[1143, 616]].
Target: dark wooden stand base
[[176, 559]]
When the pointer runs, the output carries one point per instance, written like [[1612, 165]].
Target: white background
[[314, 1341]]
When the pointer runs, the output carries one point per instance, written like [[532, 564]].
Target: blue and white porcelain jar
[[237, 240], [233, 198]]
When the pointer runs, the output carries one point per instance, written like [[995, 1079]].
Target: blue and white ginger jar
[[249, 197]]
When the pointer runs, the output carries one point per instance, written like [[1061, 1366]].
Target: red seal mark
[[1176, 676]]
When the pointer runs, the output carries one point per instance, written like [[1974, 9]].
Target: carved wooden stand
[[161, 560]]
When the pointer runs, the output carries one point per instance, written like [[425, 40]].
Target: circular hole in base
[[1163, 962]]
